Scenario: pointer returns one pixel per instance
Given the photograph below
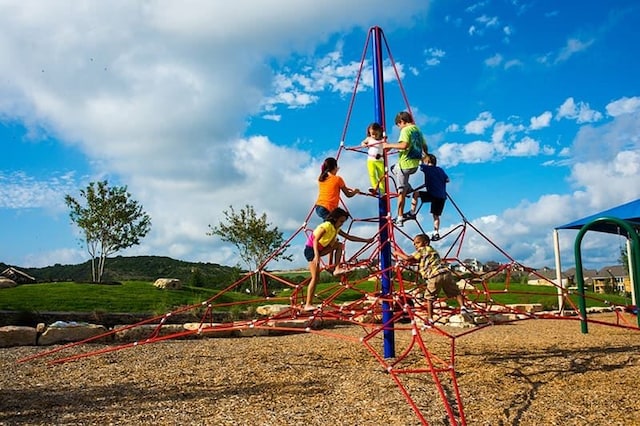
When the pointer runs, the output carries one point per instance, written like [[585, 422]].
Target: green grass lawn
[[143, 297], [547, 296], [131, 297]]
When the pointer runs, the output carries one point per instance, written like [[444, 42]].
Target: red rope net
[[423, 348]]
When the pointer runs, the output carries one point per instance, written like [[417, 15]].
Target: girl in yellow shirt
[[324, 241]]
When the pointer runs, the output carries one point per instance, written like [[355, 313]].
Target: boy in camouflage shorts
[[435, 273]]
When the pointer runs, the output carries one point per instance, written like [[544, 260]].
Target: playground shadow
[[521, 375]]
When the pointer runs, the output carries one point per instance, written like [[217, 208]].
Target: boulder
[[270, 310], [15, 335], [6, 282], [66, 332], [168, 283], [209, 330], [527, 307], [143, 332]]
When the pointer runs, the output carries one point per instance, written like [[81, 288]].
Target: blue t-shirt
[[435, 180]]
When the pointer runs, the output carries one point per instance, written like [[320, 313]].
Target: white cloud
[[541, 121], [272, 117], [513, 63], [524, 231], [475, 6], [63, 256], [526, 147], [627, 163], [21, 191], [452, 154], [623, 105], [565, 152], [581, 112], [572, 47], [600, 177], [156, 95], [480, 124], [604, 142], [434, 56], [488, 21], [453, 128], [494, 61], [502, 131], [328, 73]]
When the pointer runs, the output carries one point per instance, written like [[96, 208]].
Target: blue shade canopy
[[629, 212]]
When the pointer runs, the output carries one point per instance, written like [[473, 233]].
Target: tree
[[111, 221], [624, 258], [254, 238]]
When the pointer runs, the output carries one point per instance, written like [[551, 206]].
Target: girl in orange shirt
[[329, 187]]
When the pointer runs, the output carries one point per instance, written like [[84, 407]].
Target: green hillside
[[141, 268]]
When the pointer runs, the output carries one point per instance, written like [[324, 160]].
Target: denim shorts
[[323, 212], [308, 253]]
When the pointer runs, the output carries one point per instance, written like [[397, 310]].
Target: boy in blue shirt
[[435, 182]]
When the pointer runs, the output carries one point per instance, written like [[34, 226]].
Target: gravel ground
[[534, 372]]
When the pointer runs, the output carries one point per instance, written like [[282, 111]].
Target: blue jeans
[[323, 212]]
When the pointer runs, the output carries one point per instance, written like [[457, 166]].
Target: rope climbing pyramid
[[380, 296]]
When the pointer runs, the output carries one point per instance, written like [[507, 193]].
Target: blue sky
[[532, 107]]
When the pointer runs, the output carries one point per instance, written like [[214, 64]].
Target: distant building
[[547, 276], [587, 275], [615, 276], [469, 265]]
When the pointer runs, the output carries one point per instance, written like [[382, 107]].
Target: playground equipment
[[377, 294]]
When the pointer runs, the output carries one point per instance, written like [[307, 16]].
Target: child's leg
[[338, 258], [430, 309], [414, 202], [371, 169], [378, 167], [311, 289]]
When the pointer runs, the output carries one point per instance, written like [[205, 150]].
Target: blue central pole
[[385, 251]]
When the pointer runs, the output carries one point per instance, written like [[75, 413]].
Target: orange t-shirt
[[329, 192]]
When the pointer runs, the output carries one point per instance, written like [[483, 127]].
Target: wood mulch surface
[[533, 372]]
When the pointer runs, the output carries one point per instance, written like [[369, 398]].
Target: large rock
[[66, 332], [271, 310], [15, 335], [143, 332], [527, 307], [6, 282], [168, 283]]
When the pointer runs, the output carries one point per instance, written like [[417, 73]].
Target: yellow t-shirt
[[328, 237]]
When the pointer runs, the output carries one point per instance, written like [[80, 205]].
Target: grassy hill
[[142, 268]]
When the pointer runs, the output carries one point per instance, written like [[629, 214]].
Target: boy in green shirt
[[411, 146]]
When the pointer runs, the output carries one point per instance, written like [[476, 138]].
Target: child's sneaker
[[409, 216], [398, 221], [466, 313], [435, 236]]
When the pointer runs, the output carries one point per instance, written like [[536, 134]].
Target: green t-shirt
[[410, 134]]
